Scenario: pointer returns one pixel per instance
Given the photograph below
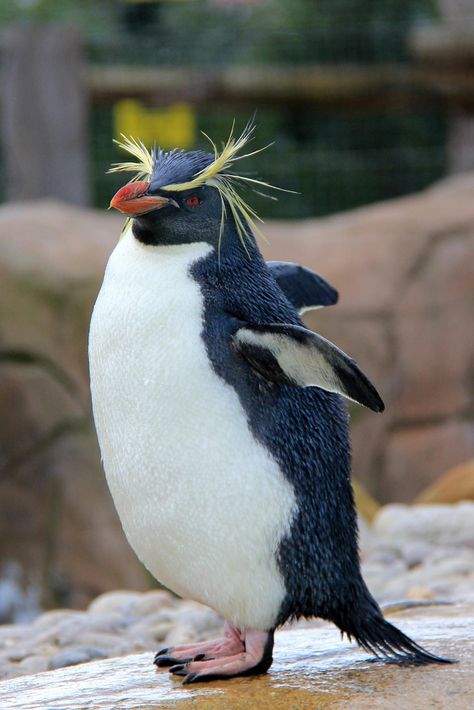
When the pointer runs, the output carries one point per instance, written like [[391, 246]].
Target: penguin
[[222, 420]]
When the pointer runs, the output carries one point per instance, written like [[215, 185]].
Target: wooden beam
[[366, 87], [44, 114], [445, 45]]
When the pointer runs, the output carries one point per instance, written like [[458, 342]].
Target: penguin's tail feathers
[[376, 635]]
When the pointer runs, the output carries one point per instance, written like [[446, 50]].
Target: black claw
[[162, 661], [177, 668], [161, 652], [190, 678], [200, 657]]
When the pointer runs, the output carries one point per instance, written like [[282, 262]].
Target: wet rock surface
[[312, 669], [418, 555], [115, 624]]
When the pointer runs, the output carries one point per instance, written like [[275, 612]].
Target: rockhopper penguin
[[222, 429]]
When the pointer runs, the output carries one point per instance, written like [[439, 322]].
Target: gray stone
[[34, 664], [61, 630], [194, 623], [459, 564], [152, 630], [414, 553], [10, 670], [154, 601], [119, 601], [49, 619], [435, 524], [384, 556], [10, 633], [382, 570], [74, 655], [109, 644], [107, 622]]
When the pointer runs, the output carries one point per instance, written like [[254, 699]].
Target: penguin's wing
[[292, 355], [303, 288]]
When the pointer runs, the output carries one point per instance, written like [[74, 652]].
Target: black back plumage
[[306, 430]]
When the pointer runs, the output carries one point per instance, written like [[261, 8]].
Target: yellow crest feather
[[216, 174], [143, 168]]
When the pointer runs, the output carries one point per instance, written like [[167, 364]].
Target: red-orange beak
[[132, 199]]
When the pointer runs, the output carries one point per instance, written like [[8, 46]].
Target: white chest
[[203, 504]]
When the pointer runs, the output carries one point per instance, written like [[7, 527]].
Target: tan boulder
[[455, 485], [415, 455]]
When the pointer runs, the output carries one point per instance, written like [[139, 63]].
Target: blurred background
[[364, 101]]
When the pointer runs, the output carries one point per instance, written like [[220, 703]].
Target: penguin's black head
[[186, 217], [181, 197], [173, 215]]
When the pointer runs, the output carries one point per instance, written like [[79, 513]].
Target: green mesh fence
[[335, 159]]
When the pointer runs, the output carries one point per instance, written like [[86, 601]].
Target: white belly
[[202, 503]]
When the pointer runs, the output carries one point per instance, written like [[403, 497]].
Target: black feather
[[302, 287], [365, 624], [177, 166], [357, 385]]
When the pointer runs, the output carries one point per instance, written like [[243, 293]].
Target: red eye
[[192, 201]]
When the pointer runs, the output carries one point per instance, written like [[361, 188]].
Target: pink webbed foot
[[255, 658], [231, 644]]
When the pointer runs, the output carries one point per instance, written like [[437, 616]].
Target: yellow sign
[[172, 127]]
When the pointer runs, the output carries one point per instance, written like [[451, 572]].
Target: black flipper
[[292, 355], [364, 622], [303, 288]]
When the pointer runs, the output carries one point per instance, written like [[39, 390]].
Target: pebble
[[11, 632], [152, 629], [419, 592], [50, 619], [154, 601], [119, 601], [72, 656], [411, 553], [437, 524], [34, 664], [111, 644]]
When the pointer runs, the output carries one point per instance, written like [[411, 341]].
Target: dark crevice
[[420, 262], [12, 469], [18, 356]]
